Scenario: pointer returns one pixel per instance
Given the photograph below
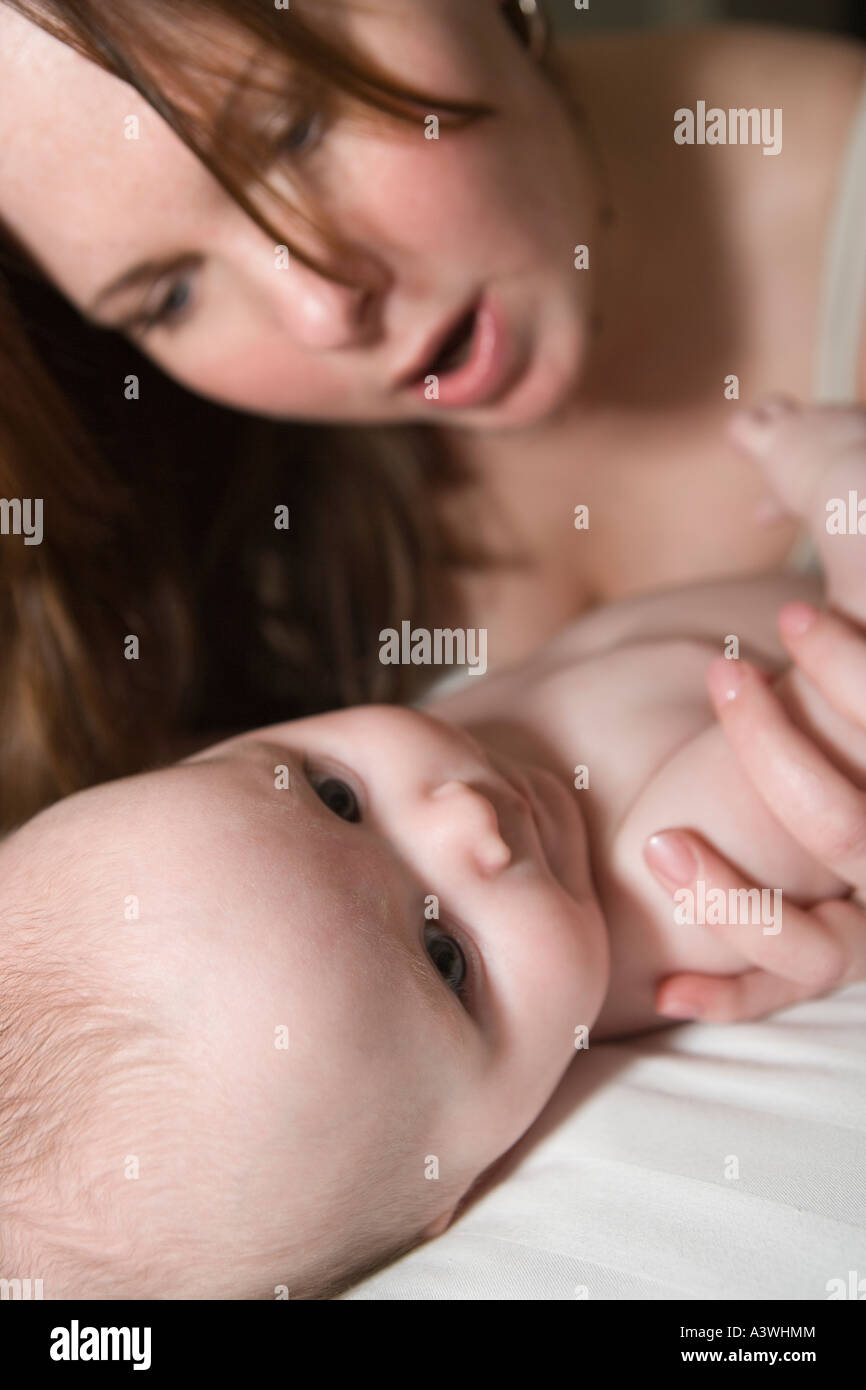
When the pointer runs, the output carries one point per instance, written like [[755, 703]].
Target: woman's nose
[[470, 823], [314, 311], [321, 313]]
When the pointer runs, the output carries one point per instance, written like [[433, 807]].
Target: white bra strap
[[843, 293]]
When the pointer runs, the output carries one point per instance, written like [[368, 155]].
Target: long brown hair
[[160, 532]]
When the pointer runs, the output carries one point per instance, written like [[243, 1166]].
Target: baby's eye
[[446, 955], [339, 798]]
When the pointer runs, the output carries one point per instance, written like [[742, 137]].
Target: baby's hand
[[797, 447], [814, 459]]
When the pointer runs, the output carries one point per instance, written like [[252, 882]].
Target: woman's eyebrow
[[147, 271]]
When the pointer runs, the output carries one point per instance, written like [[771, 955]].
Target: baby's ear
[[440, 1224]]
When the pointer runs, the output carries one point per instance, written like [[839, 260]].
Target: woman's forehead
[[76, 188], [80, 148]]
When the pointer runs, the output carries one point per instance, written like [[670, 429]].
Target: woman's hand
[[824, 947]]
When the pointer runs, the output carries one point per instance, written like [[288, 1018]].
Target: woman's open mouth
[[472, 365], [457, 346]]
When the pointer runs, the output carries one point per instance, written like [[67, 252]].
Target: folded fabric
[[702, 1162]]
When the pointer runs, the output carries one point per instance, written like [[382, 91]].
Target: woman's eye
[[301, 135], [339, 798], [447, 956], [169, 310]]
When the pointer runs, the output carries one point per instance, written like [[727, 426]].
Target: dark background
[[840, 15]]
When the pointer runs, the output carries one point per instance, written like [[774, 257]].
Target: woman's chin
[[544, 391]]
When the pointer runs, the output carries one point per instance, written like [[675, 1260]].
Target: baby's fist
[[798, 448]]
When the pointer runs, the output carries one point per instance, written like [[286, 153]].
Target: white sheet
[[620, 1187]]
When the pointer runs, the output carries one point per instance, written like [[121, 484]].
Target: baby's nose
[[470, 820]]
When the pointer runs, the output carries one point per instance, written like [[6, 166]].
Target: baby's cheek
[[554, 986]]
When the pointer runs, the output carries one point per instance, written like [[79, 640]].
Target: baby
[[269, 1013]]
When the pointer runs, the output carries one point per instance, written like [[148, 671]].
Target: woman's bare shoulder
[[814, 77], [774, 212], [707, 612], [816, 80], [739, 64]]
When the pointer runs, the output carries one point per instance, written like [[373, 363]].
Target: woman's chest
[[652, 502]]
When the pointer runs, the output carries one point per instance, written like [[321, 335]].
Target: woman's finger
[[755, 993], [727, 998], [814, 801], [817, 949], [831, 653]]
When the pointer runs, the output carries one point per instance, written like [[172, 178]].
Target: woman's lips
[[488, 371]]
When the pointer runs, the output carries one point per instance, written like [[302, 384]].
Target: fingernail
[[797, 617], [725, 677], [671, 856], [679, 1008]]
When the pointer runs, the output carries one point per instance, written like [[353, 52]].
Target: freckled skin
[[429, 222], [297, 919], [710, 265]]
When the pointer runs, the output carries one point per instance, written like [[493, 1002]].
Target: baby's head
[[268, 1014]]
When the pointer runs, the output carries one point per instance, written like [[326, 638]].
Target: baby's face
[[363, 915], [422, 920]]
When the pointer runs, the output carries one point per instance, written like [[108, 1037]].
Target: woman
[[265, 208]]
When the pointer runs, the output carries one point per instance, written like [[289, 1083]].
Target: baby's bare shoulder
[[701, 613]]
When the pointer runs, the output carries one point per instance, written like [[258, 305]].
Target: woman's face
[[485, 218]]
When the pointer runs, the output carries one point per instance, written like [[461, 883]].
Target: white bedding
[[620, 1187]]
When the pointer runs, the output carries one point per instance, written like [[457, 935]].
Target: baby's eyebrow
[[277, 755], [264, 761]]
